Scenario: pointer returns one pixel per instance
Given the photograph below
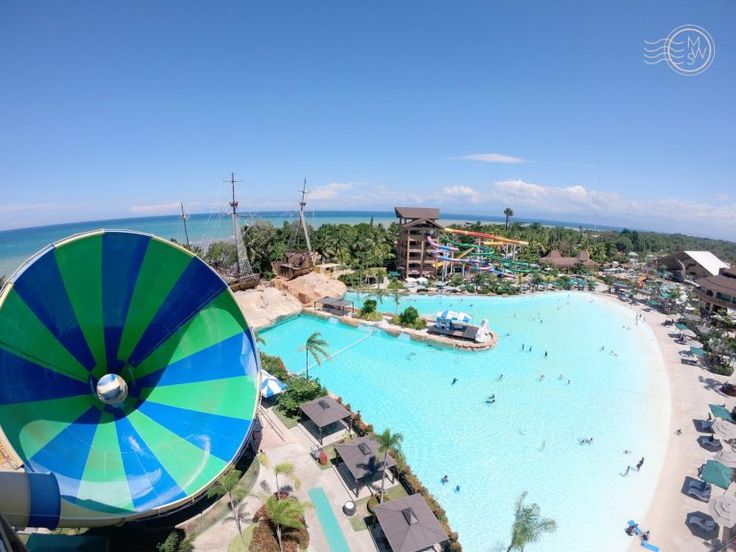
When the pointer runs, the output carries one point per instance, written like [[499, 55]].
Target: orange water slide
[[485, 236]]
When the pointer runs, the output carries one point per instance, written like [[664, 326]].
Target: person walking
[[639, 464]]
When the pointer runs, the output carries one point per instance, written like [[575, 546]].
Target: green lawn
[[288, 421], [238, 545], [331, 453], [357, 522]]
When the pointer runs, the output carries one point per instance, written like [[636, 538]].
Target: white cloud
[[173, 207], [577, 200], [13, 208], [331, 190], [155, 208], [462, 192], [494, 158]]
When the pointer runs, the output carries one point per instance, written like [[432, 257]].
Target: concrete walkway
[[292, 445]]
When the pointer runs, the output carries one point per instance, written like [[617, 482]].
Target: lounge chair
[[706, 524], [699, 490], [646, 545], [704, 425], [711, 445]]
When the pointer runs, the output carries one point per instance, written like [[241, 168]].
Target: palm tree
[[529, 526], [387, 441], [396, 294], [225, 485], [509, 212], [285, 513], [317, 347], [287, 469]]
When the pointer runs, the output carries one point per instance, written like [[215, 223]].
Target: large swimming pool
[[529, 439]]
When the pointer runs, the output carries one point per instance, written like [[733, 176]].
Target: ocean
[[18, 244]]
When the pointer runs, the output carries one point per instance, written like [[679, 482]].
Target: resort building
[[718, 293], [691, 265], [556, 260], [412, 252]]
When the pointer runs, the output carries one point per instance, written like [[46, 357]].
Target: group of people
[[445, 479], [634, 529], [639, 464]]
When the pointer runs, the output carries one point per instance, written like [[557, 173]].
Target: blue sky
[[125, 108]]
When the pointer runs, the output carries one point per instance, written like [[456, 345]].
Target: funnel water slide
[[127, 372]]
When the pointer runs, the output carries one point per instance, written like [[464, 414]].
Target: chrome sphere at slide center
[[128, 372]]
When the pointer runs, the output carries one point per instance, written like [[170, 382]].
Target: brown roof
[[725, 282], [362, 458], [324, 411], [417, 213], [409, 524]]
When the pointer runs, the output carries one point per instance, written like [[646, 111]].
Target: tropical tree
[[286, 469], [225, 485], [285, 514], [529, 525], [509, 212], [397, 295], [387, 441], [317, 347]]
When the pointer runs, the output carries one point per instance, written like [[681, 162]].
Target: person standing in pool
[[454, 381], [639, 464]]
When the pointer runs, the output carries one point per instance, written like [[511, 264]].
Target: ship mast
[[302, 204], [184, 217], [243, 267]]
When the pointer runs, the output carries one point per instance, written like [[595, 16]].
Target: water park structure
[[485, 253], [130, 381]]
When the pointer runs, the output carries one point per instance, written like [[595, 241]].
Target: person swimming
[[560, 377], [445, 479], [454, 381], [457, 488], [500, 377], [545, 354], [541, 378]]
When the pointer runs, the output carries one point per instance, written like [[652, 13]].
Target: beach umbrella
[[716, 474], [720, 412], [727, 457], [725, 429], [271, 385], [455, 316], [723, 510]]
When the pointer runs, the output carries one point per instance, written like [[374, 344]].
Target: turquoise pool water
[[331, 528], [528, 439]]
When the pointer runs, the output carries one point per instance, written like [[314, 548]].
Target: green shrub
[[176, 542], [299, 390], [274, 365], [722, 369], [410, 318], [369, 312]]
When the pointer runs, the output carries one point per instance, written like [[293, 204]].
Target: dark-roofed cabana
[[363, 460], [409, 525], [340, 307], [324, 412]]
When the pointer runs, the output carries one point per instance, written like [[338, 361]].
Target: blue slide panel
[[179, 306], [42, 288]]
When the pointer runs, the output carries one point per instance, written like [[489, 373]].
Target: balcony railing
[[714, 300]]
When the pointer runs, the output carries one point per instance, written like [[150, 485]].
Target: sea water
[[603, 378]]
